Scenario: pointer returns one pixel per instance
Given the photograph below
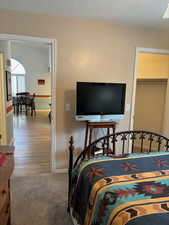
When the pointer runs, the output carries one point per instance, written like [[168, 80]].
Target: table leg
[[90, 136], [31, 111], [90, 141], [26, 110], [86, 135], [17, 109]]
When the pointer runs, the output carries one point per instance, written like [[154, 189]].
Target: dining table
[[24, 103]]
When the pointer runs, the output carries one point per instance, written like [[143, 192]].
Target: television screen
[[100, 98]]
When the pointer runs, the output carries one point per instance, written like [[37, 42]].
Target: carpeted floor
[[40, 200]]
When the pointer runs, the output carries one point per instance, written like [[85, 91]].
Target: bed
[[120, 179]]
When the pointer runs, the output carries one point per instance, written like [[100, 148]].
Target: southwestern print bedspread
[[132, 190]]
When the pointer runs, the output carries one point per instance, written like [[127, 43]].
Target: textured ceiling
[[138, 12]]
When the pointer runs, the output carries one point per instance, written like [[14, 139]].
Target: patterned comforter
[[132, 190]]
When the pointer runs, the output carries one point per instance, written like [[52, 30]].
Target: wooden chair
[[33, 109], [30, 104], [21, 100], [50, 114], [15, 104]]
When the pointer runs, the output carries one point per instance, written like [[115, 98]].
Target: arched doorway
[[18, 73]]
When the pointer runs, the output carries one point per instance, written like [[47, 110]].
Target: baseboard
[[10, 113], [42, 110], [60, 170]]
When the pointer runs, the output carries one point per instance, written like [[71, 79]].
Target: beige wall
[[87, 51], [154, 66], [149, 106]]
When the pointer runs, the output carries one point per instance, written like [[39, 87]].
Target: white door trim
[[53, 44], [140, 50], [13, 37], [3, 140]]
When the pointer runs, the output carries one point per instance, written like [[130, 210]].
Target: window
[[18, 77]]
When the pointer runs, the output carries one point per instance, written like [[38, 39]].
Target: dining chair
[[30, 104], [15, 104]]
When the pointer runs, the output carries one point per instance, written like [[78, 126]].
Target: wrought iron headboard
[[131, 141]]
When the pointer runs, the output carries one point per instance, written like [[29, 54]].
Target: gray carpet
[[40, 200]]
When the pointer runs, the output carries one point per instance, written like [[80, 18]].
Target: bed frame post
[[71, 150]]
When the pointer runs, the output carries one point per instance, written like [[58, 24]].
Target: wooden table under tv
[[90, 126]]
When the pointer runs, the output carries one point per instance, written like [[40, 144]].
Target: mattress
[[119, 190]]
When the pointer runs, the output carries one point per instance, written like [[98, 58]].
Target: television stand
[[95, 125]]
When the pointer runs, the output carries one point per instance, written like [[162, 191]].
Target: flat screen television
[[100, 101]]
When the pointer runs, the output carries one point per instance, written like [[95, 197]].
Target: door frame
[[137, 52], [3, 138], [53, 43]]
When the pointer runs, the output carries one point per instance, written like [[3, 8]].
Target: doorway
[[150, 89], [150, 105], [21, 81]]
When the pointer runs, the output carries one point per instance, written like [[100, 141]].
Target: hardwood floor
[[32, 144]]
